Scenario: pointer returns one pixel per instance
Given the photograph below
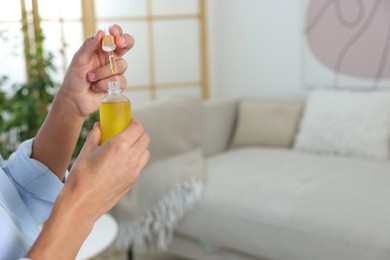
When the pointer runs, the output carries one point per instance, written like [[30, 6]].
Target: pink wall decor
[[347, 43]]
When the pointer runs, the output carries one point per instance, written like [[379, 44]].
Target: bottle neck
[[114, 88]]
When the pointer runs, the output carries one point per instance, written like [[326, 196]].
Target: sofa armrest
[[173, 124], [219, 119]]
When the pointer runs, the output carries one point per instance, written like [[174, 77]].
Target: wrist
[[64, 232], [68, 107], [77, 199]]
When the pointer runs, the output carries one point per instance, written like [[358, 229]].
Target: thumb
[[93, 139], [89, 47]]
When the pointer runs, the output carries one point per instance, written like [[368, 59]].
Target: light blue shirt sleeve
[[36, 184]]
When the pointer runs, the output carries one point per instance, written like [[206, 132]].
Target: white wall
[[255, 48]]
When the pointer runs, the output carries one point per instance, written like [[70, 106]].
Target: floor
[[113, 254]]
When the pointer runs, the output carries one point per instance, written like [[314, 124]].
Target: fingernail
[[95, 125], [94, 36], [114, 30], [91, 76]]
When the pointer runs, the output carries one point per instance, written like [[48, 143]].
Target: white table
[[101, 237]]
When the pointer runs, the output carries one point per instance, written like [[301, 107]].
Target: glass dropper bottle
[[108, 45], [115, 112]]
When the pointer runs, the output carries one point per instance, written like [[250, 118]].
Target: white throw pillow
[[351, 123]]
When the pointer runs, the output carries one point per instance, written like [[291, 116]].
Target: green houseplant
[[24, 108]]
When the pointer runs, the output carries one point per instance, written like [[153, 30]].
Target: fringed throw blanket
[[155, 228], [172, 183]]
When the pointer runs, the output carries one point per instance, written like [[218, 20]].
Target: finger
[[143, 161], [93, 139], [143, 142], [130, 134], [102, 85], [140, 146], [123, 44], [115, 30], [105, 71], [89, 47]]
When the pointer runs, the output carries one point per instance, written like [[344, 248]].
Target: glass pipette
[[109, 46]]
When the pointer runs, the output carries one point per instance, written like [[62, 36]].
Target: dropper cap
[[108, 42]]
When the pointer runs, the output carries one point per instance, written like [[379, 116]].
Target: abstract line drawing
[[351, 38]]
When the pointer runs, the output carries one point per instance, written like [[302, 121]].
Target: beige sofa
[[277, 201]]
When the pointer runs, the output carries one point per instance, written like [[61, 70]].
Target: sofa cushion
[[351, 123], [281, 204], [271, 123]]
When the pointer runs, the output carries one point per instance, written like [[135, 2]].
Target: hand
[[79, 96], [88, 74], [99, 178], [103, 174]]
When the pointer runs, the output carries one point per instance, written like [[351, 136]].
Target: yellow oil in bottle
[[115, 112]]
